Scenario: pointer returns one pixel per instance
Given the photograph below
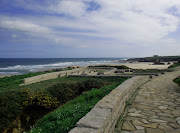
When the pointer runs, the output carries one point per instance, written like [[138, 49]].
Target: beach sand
[[146, 65], [2, 76], [134, 65]]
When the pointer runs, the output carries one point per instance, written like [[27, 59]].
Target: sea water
[[16, 66]]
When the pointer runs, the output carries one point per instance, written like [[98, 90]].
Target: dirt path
[[156, 108]]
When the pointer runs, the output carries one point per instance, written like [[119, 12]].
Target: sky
[[89, 28]]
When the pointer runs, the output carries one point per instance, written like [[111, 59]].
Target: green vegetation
[[177, 80], [14, 81], [108, 66], [156, 58], [174, 65], [32, 102], [64, 119]]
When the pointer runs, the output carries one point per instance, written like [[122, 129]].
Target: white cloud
[[141, 23]]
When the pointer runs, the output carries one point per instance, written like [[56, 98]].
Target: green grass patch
[[38, 99], [177, 80], [14, 81], [109, 66], [63, 119], [174, 65]]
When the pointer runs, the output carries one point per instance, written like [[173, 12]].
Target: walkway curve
[[156, 108]]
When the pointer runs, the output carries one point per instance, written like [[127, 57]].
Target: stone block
[[96, 118], [103, 117], [83, 130]]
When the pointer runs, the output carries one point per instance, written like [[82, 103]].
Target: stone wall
[[48, 76], [103, 117]]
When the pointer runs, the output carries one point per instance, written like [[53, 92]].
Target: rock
[[127, 125], [156, 110], [167, 127], [125, 132], [162, 107], [153, 125], [178, 122], [174, 125], [96, 118], [161, 127], [157, 120], [173, 131], [143, 107], [151, 130], [138, 131], [132, 110], [178, 119], [176, 113], [83, 130], [153, 117], [144, 121], [135, 115], [167, 111], [168, 119], [138, 112], [171, 104], [137, 122], [166, 115], [139, 127]]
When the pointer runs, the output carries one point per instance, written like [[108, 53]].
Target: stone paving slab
[[156, 108]]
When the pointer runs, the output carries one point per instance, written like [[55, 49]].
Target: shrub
[[174, 65], [65, 92], [63, 119], [177, 80], [40, 99], [10, 102]]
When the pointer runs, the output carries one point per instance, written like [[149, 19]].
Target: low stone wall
[[103, 117], [48, 76]]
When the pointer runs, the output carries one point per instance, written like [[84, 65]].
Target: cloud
[[23, 26], [100, 23]]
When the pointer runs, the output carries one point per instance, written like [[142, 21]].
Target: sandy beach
[[2, 76], [134, 65], [146, 65]]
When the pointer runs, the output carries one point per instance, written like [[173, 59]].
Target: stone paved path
[[156, 108]]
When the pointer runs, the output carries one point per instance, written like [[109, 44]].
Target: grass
[[63, 119], [13, 96], [14, 81], [177, 80], [174, 65], [109, 66]]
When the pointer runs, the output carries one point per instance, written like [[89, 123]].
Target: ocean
[[17, 66]]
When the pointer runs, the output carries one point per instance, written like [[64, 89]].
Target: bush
[[10, 102], [118, 67], [177, 80], [66, 92], [63, 92], [40, 99], [174, 65], [63, 119], [30, 105]]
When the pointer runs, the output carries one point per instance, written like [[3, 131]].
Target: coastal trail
[[156, 107]]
